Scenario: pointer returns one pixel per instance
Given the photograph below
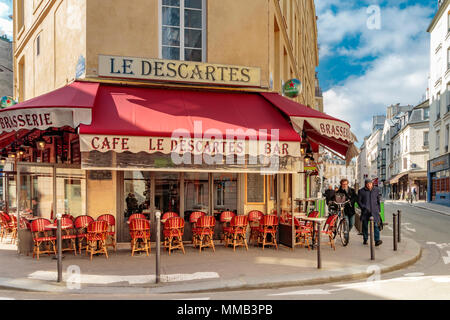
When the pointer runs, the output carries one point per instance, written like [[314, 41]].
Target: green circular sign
[[292, 88]]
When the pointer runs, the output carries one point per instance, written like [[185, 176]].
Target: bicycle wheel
[[344, 232]]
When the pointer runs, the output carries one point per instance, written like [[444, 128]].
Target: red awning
[[67, 106], [135, 114], [320, 128]]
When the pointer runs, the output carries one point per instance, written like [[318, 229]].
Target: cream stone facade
[[52, 36], [58, 41]]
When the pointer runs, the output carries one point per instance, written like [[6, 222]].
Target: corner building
[[103, 85]]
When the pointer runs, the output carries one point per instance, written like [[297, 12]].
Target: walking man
[[349, 209], [369, 202]]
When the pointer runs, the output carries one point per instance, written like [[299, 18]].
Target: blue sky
[[365, 67], [5, 21]]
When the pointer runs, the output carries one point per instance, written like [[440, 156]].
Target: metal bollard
[[372, 240], [158, 245], [399, 213], [58, 239], [395, 217], [319, 258]]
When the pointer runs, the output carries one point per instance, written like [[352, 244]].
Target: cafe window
[[225, 191], [183, 30], [36, 191], [71, 191], [255, 188], [196, 192]]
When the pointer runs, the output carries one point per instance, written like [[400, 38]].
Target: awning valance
[[320, 128], [68, 106], [131, 119]]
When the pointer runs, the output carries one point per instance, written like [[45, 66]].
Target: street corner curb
[[32, 285], [410, 254], [433, 210]]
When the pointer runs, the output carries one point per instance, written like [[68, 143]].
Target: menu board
[[255, 188]]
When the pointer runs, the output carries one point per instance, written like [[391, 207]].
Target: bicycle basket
[[340, 197]]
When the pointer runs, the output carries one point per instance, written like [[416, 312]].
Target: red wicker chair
[[97, 233], [328, 229], [254, 218], [237, 232], [7, 226], [68, 216], [193, 218], [303, 235], [81, 223], [225, 217], [268, 226], [169, 215], [173, 234], [204, 232], [69, 234], [140, 230], [13, 225], [136, 216], [109, 218], [37, 228]]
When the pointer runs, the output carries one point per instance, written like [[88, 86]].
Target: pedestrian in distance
[[329, 194], [369, 202]]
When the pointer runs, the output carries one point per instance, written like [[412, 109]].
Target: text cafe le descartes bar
[[151, 134]]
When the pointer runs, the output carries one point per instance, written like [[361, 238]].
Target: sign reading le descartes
[[178, 71]]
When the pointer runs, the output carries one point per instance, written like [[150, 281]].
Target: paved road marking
[[303, 292], [447, 259], [414, 274], [205, 298], [6, 298]]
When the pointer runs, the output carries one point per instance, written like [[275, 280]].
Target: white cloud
[[6, 26], [397, 75]]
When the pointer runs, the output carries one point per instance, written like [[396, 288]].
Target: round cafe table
[[315, 221]]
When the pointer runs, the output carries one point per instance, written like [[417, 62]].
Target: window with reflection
[[196, 192], [36, 191], [225, 192], [71, 191], [137, 186], [167, 192], [183, 30]]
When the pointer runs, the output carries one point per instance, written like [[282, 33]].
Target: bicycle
[[341, 226]]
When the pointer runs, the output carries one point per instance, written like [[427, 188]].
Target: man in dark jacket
[[349, 209], [329, 194], [369, 202]]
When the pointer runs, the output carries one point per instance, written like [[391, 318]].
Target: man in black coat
[[349, 209], [369, 202], [329, 194]]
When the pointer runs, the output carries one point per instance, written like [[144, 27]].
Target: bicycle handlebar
[[340, 203]]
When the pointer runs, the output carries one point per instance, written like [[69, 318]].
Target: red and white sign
[[42, 118], [167, 145]]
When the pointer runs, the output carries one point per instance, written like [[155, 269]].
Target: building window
[[438, 139], [425, 138], [20, 15], [447, 133], [183, 26], [438, 105], [448, 58], [21, 79], [38, 45], [426, 113]]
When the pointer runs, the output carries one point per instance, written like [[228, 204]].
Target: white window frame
[[204, 28]]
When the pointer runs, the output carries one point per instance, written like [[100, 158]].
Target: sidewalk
[[425, 205], [433, 207], [206, 271]]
